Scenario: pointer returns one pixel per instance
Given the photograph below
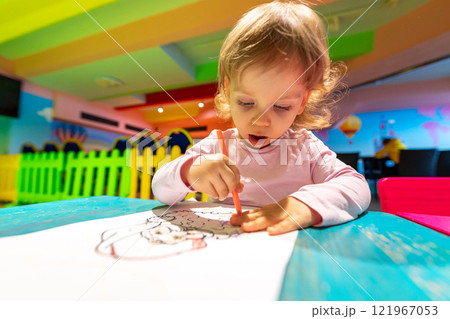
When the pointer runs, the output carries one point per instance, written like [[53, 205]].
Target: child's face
[[260, 107]]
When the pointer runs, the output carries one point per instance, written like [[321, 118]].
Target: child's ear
[[304, 102]]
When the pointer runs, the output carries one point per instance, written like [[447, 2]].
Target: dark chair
[[121, 144], [350, 159], [72, 146], [51, 146], [373, 170], [148, 140], [180, 137], [418, 163], [443, 164], [28, 148]]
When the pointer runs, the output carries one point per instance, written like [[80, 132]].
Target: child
[[275, 83], [390, 151], [391, 147]]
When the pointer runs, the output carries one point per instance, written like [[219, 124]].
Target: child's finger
[[229, 179], [221, 187], [240, 188], [237, 220], [260, 223], [236, 174], [210, 190], [284, 226], [254, 214], [211, 187]]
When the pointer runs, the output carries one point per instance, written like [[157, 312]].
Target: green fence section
[[45, 177], [94, 175], [39, 177]]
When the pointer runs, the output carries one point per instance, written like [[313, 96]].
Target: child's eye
[[245, 104], [282, 108]]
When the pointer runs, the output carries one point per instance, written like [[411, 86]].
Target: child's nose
[[261, 118]]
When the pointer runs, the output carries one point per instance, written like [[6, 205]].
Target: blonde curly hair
[[275, 32]]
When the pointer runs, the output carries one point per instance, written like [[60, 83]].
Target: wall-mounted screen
[[9, 96]]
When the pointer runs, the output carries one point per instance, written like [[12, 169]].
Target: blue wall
[[33, 124], [416, 128], [36, 125]]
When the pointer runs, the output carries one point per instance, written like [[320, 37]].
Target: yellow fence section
[[144, 166], [9, 164]]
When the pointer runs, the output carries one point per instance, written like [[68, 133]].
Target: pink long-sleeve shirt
[[297, 164]]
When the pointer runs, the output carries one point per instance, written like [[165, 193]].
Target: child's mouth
[[253, 139]]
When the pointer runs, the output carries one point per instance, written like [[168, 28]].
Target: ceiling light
[[201, 104], [108, 82], [160, 109]]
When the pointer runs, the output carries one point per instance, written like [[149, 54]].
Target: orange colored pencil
[[223, 148]]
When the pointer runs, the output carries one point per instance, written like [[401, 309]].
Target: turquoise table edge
[[26, 219], [378, 256]]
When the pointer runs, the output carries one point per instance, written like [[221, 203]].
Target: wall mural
[[416, 128], [88, 138], [350, 127]]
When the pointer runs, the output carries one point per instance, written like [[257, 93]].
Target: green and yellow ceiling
[[104, 49]]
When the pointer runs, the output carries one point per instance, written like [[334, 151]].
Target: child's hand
[[288, 215], [215, 175]]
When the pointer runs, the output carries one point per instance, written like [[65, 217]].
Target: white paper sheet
[[187, 252]]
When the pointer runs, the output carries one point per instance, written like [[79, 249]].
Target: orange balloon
[[351, 125]]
